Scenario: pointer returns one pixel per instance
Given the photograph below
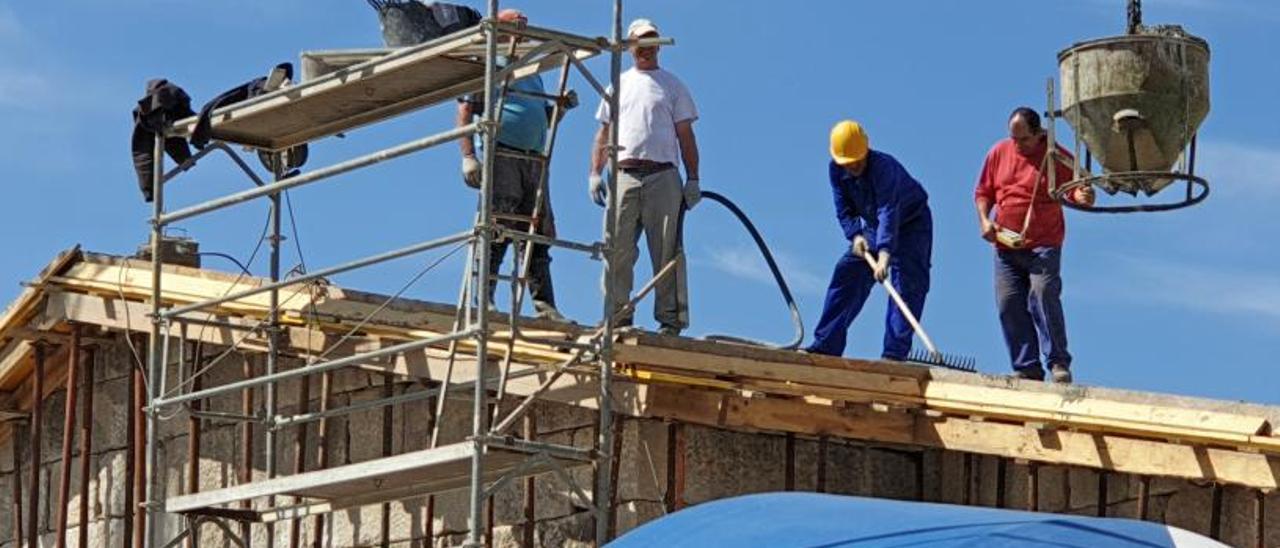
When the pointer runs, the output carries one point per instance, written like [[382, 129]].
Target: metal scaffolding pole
[[488, 133], [152, 508], [604, 459]]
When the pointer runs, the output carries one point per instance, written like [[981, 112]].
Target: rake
[[929, 355]]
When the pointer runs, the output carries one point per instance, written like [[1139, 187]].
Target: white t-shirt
[[652, 103]]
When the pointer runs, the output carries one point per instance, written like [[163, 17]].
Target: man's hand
[[597, 190], [692, 193], [1084, 195], [860, 246], [471, 171], [881, 270], [988, 230]]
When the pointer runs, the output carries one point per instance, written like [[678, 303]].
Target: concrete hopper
[[1136, 102]]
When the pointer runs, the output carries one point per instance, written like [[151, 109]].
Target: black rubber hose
[[777, 276]]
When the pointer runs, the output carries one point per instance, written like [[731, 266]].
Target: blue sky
[[1185, 302]]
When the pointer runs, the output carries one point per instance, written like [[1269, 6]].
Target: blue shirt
[[524, 119], [878, 203]]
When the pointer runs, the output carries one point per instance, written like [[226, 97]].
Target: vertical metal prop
[[86, 443], [1102, 493], [152, 508], [37, 428], [604, 463], [273, 341], [1002, 471], [1033, 487], [68, 438], [484, 237], [821, 482], [1259, 518], [1144, 496], [1215, 516]]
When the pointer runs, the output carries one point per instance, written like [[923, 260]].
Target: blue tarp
[[818, 520]]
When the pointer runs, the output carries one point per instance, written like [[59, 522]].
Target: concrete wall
[[653, 476]]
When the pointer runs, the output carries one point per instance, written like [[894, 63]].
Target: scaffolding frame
[[522, 457]]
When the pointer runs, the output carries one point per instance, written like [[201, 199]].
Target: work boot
[[669, 330], [1061, 373], [547, 311], [1028, 373]]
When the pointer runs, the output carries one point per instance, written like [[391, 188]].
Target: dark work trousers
[[851, 283], [1029, 297], [515, 191]]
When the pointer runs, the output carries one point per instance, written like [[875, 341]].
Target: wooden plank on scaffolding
[[384, 87]]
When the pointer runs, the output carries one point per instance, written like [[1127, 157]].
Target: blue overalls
[[891, 210]]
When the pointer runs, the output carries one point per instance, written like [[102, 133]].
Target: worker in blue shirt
[[518, 173], [883, 211]]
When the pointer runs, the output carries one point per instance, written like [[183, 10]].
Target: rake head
[[949, 361]]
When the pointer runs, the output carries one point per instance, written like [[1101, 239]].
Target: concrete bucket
[[1136, 102]]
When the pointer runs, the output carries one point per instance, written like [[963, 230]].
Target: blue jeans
[[1029, 297], [851, 283]]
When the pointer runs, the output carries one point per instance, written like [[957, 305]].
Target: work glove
[[988, 230], [860, 246], [881, 270], [471, 171], [597, 190], [692, 194]]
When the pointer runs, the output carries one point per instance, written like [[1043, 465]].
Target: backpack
[[412, 22]]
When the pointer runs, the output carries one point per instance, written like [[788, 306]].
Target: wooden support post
[[1102, 493], [300, 454], [530, 486], [17, 434], [675, 467], [131, 450], [86, 443], [1002, 471], [864, 482], [789, 466], [37, 427], [139, 456], [246, 443], [1215, 517], [1259, 518], [615, 456], [920, 475], [193, 434], [68, 438], [322, 452], [1144, 497], [821, 482], [970, 497], [1033, 487], [388, 390]]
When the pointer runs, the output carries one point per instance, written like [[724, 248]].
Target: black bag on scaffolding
[[411, 22]]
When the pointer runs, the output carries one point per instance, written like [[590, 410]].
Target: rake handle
[[902, 306]]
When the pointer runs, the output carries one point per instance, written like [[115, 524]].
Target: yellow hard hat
[[848, 142]]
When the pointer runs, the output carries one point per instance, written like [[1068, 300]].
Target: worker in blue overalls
[[884, 212]]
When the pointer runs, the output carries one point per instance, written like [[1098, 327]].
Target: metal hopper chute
[[1135, 102]]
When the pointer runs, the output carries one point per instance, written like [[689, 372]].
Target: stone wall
[[662, 466]]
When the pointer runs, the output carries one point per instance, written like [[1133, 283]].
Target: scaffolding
[[361, 88]]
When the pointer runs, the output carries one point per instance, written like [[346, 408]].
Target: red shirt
[[1006, 182]]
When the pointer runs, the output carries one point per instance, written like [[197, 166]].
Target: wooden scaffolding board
[[380, 88]]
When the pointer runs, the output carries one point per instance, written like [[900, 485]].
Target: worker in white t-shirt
[[655, 130]]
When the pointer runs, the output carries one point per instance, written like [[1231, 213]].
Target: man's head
[[646, 58], [1025, 130], [513, 16], [849, 146]]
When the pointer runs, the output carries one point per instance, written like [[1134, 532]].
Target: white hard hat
[[640, 27]]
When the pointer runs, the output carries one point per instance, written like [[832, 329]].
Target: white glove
[[692, 194], [860, 246], [596, 189], [471, 171], [881, 271]]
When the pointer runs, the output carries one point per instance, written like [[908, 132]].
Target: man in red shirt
[[1027, 231]]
